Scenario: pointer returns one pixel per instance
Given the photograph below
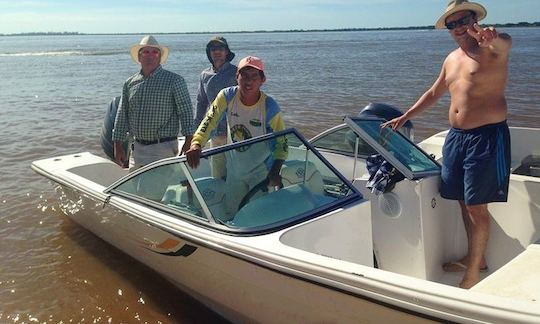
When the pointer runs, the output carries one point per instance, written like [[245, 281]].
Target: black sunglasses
[[460, 22], [217, 47]]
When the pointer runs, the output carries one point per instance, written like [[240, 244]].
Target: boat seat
[[261, 211], [211, 189], [519, 279], [528, 166], [294, 172]]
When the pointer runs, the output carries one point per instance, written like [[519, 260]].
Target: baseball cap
[[251, 61]]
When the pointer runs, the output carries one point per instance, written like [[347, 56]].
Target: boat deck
[[454, 278], [519, 279]]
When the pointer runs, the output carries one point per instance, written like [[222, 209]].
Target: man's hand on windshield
[[395, 123], [194, 155]]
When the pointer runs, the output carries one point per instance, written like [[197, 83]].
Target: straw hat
[[461, 5], [149, 41]]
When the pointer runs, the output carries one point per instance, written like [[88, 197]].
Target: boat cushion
[[211, 189], [293, 172], [294, 200]]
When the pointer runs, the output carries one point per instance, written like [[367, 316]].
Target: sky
[[166, 16]]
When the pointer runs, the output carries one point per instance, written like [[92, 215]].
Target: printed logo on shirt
[[240, 133], [255, 122], [285, 145]]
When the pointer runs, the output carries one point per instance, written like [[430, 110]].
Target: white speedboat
[[322, 248]]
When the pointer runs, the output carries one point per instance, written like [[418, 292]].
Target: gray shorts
[[142, 155]]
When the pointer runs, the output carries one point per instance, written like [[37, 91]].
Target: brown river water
[[53, 94]]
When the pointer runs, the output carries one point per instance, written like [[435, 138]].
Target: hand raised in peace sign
[[484, 36]]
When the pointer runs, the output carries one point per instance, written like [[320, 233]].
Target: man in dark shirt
[[220, 75]]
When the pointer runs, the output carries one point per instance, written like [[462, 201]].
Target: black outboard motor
[[107, 128], [383, 175], [387, 112]]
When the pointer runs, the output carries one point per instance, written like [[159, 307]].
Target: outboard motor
[[387, 112], [107, 129], [383, 175]]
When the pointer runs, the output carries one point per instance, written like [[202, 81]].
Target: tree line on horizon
[[519, 24]]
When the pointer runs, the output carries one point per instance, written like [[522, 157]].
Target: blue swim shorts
[[476, 164]]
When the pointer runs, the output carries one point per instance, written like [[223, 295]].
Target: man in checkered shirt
[[154, 108]]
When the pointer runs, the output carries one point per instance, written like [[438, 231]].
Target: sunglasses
[[217, 48], [463, 21], [150, 52]]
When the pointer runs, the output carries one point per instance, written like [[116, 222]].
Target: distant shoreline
[[507, 25]]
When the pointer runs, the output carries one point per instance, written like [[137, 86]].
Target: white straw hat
[[461, 5], [149, 41]]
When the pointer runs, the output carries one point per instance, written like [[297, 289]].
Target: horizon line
[[519, 24]]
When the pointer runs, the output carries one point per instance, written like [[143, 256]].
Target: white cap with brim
[[461, 5], [149, 41]]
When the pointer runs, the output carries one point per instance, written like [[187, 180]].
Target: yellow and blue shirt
[[243, 121]]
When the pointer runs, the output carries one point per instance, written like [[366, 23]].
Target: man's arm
[[183, 106], [428, 99], [120, 129], [274, 178], [276, 124], [120, 155], [208, 124]]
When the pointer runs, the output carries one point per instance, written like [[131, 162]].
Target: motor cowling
[[107, 129]]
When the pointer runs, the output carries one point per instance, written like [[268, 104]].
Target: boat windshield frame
[[395, 137], [207, 219]]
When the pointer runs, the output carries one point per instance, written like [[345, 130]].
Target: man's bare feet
[[462, 265], [470, 279]]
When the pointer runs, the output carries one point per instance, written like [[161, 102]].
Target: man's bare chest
[[472, 70]]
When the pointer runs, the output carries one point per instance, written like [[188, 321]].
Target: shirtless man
[[476, 153]]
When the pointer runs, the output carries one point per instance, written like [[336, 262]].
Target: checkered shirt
[[154, 107]]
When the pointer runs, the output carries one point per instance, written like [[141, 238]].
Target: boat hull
[[239, 289], [320, 269]]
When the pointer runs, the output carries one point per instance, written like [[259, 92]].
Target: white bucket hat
[[461, 5], [149, 41]]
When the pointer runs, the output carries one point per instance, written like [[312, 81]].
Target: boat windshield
[[397, 149], [230, 190]]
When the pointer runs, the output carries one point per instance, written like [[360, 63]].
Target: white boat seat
[[519, 279], [293, 171], [211, 189]]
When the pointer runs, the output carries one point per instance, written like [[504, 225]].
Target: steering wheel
[[261, 186]]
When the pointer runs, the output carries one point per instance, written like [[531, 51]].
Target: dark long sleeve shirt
[[210, 83]]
